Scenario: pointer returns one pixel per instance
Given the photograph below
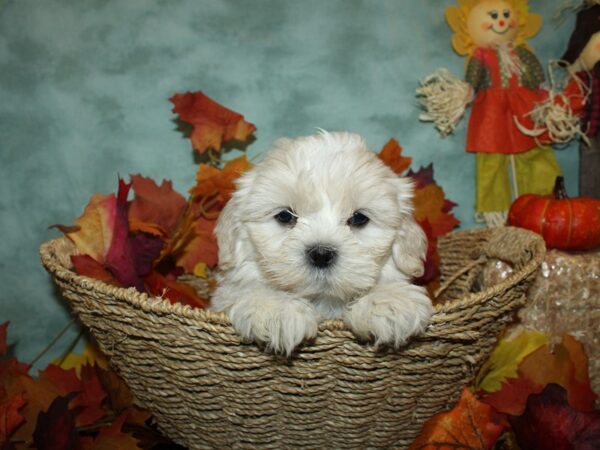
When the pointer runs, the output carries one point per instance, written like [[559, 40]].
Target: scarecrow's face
[[590, 54], [492, 22]]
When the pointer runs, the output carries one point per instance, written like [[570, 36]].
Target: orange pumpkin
[[564, 223]]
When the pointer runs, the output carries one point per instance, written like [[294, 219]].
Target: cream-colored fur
[[268, 286]]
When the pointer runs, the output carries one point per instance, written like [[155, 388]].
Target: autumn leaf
[[391, 155], [469, 425], [114, 254], [10, 417], [3, 332], [212, 123], [94, 229], [550, 423], [91, 355], [194, 242], [565, 365], [87, 266], [111, 437], [202, 247], [214, 185], [505, 359], [431, 204], [155, 209], [174, 291], [55, 428], [88, 402], [423, 177]]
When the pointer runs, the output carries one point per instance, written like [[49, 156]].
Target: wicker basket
[[209, 390]]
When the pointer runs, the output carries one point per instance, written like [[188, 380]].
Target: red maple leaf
[[174, 291], [155, 209], [55, 429], [550, 423]]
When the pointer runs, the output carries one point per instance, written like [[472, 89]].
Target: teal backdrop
[[84, 88]]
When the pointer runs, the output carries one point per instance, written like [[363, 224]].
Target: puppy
[[321, 229]]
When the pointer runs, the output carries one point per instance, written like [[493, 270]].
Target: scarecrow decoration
[[502, 83]]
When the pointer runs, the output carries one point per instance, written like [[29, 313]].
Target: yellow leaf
[[200, 270], [91, 355], [505, 359]]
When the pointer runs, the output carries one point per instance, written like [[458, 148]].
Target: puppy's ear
[[230, 233], [410, 246]]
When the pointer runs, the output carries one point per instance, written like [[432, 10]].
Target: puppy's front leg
[[258, 313], [390, 313]]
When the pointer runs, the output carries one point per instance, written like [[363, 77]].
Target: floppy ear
[[410, 246], [231, 236]]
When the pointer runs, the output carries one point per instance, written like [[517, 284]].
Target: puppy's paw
[[281, 322], [390, 314]]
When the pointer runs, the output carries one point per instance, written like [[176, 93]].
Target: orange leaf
[[213, 124], [391, 155], [218, 184], [202, 248], [155, 209], [430, 205], [470, 425]]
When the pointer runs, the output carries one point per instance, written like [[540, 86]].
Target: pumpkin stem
[[560, 191]]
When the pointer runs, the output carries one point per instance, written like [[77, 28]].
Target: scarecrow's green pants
[[536, 171]]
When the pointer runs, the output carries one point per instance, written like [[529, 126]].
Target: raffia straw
[[553, 116], [445, 99]]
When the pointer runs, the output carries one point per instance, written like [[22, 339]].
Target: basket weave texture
[[209, 390]]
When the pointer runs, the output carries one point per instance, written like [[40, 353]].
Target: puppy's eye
[[286, 217], [358, 220]]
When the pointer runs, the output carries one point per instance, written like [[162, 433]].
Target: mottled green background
[[84, 88]]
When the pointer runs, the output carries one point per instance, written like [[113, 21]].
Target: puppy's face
[[321, 215]]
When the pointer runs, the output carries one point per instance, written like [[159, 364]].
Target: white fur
[[267, 286]]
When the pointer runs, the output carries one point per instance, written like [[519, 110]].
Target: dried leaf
[[55, 428], [91, 355], [3, 331], [202, 248], [10, 417], [217, 185], [469, 425], [506, 358], [565, 365], [423, 177], [174, 291], [155, 209], [95, 227], [391, 155], [111, 437], [550, 423], [88, 402], [87, 266], [430, 204], [212, 123]]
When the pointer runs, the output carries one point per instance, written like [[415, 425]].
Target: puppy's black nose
[[321, 256]]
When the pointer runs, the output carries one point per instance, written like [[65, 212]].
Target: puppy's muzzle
[[321, 256]]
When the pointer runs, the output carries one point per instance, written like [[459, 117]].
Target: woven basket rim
[[161, 306]]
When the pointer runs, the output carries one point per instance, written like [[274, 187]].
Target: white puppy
[[321, 229]]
